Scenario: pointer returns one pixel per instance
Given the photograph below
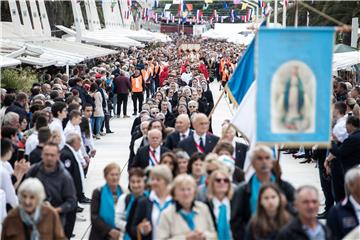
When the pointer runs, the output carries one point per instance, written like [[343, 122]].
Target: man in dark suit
[[150, 154], [201, 140], [68, 156], [348, 152], [182, 127]]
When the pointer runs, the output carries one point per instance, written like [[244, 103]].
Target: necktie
[[183, 136], [202, 143], [223, 224]]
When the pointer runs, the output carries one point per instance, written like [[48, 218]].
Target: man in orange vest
[[137, 90], [147, 75]]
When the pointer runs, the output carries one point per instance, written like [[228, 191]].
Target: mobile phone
[[20, 154]]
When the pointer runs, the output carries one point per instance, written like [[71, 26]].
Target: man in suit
[[150, 154], [182, 127], [348, 152], [201, 140]]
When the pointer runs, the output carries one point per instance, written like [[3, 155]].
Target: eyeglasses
[[224, 180], [192, 106]]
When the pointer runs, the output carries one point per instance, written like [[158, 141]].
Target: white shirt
[[217, 204], [7, 186], [56, 125], [71, 128], [197, 138], [186, 133], [155, 214], [339, 129], [2, 207], [157, 154], [186, 77], [89, 142], [31, 142], [356, 206]]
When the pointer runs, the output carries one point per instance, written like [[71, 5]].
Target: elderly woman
[[219, 200], [187, 218], [32, 219], [103, 204], [149, 210]]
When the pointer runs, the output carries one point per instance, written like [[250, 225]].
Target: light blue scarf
[[31, 221], [223, 227], [107, 205], [188, 218], [255, 188]]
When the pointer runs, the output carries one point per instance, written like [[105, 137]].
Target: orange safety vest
[[137, 84], [225, 76], [222, 65]]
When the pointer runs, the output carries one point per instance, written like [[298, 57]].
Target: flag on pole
[[189, 7], [199, 14], [173, 19], [222, 19], [232, 15], [244, 6]]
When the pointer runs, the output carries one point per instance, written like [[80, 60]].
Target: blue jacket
[[342, 219]]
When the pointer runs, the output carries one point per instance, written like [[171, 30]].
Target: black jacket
[[342, 219], [35, 155], [173, 139], [240, 154], [143, 211], [243, 195], [188, 144], [348, 153], [142, 157], [169, 119], [59, 186], [17, 108], [70, 163], [295, 231]]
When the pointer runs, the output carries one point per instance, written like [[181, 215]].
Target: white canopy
[[345, 60], [8, 62]]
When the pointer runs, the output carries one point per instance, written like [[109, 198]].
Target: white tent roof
[[8, 62], [345, 60]]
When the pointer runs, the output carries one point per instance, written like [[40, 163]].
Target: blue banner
[[293, 69]]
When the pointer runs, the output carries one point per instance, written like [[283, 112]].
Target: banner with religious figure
[[293, 72]]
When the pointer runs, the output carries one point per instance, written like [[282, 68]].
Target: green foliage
[[21, 79]]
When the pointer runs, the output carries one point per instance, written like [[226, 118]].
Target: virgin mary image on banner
[[293, 99]]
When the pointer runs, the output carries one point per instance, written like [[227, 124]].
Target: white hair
[[9, 118], [261, 148], [34, 187], [72, 137], [352, 176]]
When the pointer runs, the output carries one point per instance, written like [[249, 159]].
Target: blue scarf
[[161, 209], [188, 218], [255, 188], [107, 205], [223, 227], [202, 180]]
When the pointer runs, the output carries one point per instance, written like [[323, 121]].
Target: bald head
[[200, 123], [182, 123], [154, 137]]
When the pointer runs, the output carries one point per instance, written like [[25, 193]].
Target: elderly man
[[201, 140], [182, 127], [58, 183], [149, 155], [345, 216], [305, 226], [11, 119], [247, 193]]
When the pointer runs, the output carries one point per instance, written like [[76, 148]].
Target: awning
[[8, 62], [345, 60]]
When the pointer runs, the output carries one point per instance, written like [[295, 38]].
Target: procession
[[187, 120]]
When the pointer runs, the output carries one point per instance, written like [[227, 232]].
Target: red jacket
[[163, 75], [203, 70]]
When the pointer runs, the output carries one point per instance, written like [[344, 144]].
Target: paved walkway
[[114, 148]]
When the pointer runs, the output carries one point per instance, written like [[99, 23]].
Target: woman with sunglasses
[[270, 216], [219, 200]]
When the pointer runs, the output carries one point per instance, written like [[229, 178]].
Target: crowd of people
[[184, 181]]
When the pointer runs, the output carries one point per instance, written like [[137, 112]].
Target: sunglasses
[[224, 180], [192, 106]]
